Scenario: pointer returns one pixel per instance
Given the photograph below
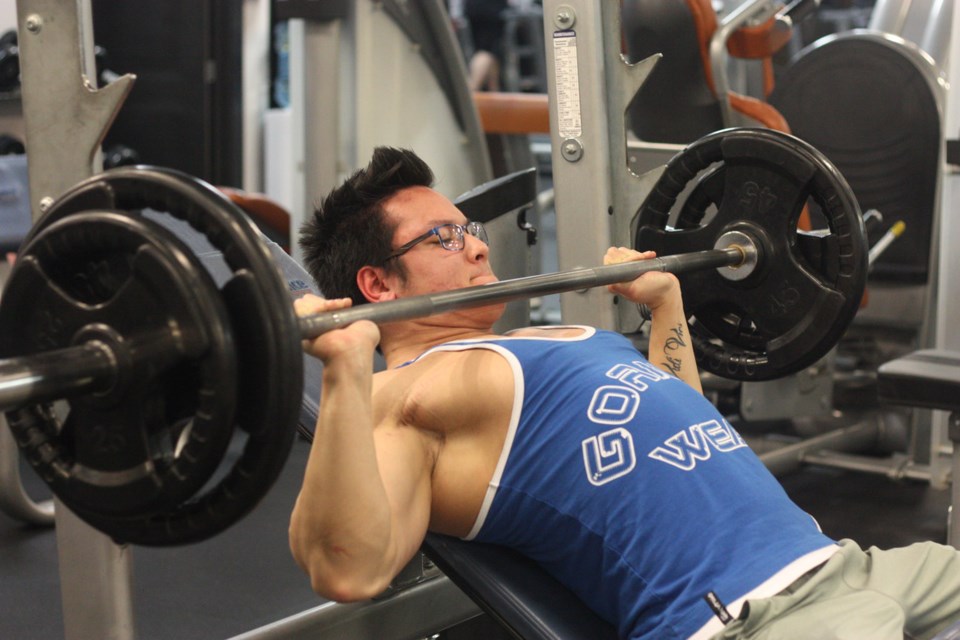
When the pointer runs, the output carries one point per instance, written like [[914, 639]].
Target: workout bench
[[929, 379], [516, 592]]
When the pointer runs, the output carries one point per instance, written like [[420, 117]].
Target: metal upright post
[[590, 86], [96, 581], [315, 92], [948, 284], [66, 117], [319, 88]]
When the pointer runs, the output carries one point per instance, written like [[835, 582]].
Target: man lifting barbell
[[610, 470], [159, 366]]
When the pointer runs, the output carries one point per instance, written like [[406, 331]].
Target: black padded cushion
[[516, 592], [866, 102], [928, 379], [499, 196]]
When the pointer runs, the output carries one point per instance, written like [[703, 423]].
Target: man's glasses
[[450, 236]]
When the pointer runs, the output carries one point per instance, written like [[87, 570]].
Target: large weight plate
[[807, 287], [266, 334], [157, 431]]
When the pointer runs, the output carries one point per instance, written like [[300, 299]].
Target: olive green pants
[[861, 595]]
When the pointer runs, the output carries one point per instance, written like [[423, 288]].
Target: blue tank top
[[629, 487]]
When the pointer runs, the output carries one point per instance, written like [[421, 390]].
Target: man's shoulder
[[445, 388]]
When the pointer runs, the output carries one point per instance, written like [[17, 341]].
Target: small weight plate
[[803, 294]]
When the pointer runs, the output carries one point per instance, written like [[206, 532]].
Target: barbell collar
[[517, 289], [750, 257]]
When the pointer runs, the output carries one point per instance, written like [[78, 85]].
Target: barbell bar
[[93, 366], [46, 376], [525, 287]]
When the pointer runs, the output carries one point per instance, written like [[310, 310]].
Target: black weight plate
[[793, 308], [266, 334], [157, 434], [701, 200]]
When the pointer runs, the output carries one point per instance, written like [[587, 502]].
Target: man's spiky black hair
[[349, 230]]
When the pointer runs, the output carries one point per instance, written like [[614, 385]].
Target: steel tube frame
[[857, 437], [893, 467], [415, 612], [14, 500], [759, 10], [66, 118]]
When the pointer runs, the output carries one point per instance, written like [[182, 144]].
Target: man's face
[[429, 267]]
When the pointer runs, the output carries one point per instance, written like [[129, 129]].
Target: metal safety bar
[[416, 612], [14, 500]]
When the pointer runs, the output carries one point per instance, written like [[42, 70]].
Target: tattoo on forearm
[[673, 365], [675, 342]]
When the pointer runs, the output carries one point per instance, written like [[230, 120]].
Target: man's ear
[[374, 284]]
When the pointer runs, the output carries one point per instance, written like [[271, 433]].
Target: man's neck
[[403, 341]]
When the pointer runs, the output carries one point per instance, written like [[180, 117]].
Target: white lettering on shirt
[[608, 456], [685, 448]]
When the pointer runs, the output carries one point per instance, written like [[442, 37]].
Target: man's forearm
[[340, 528], [671, 348]]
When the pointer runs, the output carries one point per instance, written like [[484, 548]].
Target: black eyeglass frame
[[475, 229]]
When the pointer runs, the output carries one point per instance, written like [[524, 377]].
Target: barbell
[[160, 407]]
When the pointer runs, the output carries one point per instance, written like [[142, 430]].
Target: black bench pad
[[515, 591], [929, 379]]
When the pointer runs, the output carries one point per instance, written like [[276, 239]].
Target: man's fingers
[[310, 304], [617, 255]]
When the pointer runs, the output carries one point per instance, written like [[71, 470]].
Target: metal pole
[[66, 117], [14, 500], [517, 288], [416, 612], [856, 437], [51, 375], [95, 581]]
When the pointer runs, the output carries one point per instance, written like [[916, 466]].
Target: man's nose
[[475, 248]]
